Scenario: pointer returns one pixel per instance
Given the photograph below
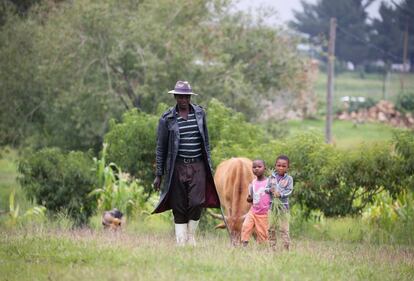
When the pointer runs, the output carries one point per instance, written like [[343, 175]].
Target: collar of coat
[[173, 110], [274, 175]]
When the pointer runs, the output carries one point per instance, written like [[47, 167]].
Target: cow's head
[[234, 224]]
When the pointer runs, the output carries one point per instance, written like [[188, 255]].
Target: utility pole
[[330, 85], [404, 56]]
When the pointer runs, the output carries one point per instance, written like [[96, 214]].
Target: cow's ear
[[221, 225]]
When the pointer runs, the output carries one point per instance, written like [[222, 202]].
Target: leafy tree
[[405, 11], [351, 21], [387, 35], [69, 69], [21, 96]]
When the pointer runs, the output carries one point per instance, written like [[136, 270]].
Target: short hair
[[283, 157], [116, 213], [261, 160]]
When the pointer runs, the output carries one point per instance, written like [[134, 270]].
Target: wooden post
[[330, 85], [404, 70]]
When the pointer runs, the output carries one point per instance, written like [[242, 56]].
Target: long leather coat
[[166, 153]]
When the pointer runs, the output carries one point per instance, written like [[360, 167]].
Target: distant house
[[400, 67]]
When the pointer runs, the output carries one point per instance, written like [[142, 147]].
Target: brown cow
[[232, 179]]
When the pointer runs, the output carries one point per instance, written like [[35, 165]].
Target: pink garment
[[261, 199]]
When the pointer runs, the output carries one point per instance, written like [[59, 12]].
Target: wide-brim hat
[[182, 88]]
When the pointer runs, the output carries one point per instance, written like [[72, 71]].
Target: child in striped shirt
[[281, 187]]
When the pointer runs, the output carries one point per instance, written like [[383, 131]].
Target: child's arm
[[250, 195], [286, 191]]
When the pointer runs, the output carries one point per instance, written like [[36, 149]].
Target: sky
[[284, 7]]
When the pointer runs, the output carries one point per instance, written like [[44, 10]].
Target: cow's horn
[[214, 215]]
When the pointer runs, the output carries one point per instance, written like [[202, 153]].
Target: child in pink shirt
[[257, 217]]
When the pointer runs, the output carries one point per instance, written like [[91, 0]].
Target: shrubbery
[[405, 102], [334, 181], [391, 219], [327, 179], [131, 145], [116, 189], [60, 181]]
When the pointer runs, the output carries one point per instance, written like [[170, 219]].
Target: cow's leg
[[192, 227]]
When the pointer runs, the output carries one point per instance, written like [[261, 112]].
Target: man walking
[[183, 158]]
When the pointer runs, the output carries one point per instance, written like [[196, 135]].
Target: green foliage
[[116, 189], [131, 145], [405, 102], [404, 146], [69, 68], [334, 181], [328, 179], [60, 182], [230, 134], [80, 255], [13, 210], [391, 220], [15, 218]]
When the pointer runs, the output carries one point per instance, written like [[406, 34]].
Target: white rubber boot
[[192, 227], [181, 233]]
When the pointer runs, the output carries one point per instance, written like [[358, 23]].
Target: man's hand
[[157, 183]]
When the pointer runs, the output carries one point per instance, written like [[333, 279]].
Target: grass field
[[345, 134], [331, 249], [96, 255], [351, 84]]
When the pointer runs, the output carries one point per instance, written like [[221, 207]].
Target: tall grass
[[97, 255], [8, 183], [116, 189], [322, 249]]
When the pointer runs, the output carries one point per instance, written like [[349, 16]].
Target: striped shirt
[[283, 185], [190, 137]]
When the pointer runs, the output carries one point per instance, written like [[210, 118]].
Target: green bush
[[131, 145], [334, 181], [391, 220], [60, 182], [404, 146], [328, 179], [231, 135], [405, 102]]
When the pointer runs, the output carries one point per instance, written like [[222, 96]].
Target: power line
[[363, 41], [371, 45]]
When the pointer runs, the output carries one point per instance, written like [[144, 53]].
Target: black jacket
[[166, 153]]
